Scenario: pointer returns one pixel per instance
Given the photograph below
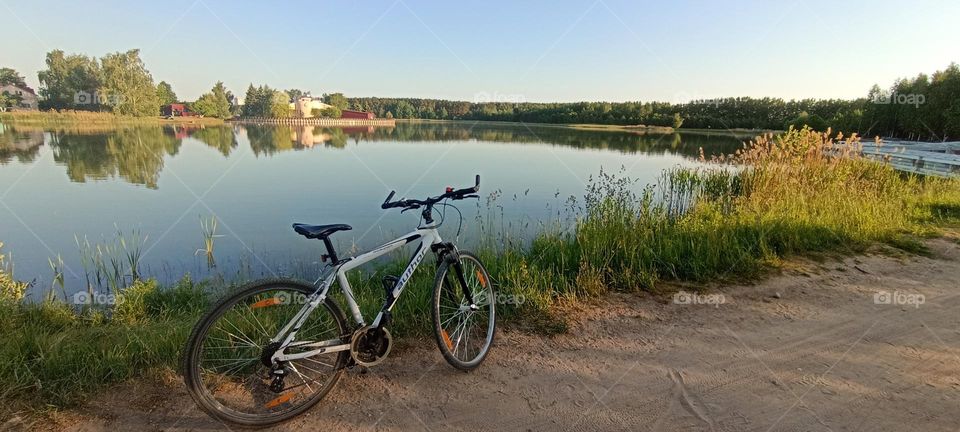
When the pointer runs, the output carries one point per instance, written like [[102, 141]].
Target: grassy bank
[[797, 193], [68, 118]]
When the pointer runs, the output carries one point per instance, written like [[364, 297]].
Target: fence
[[939, 159]]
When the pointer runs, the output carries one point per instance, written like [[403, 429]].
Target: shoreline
[[738, 132], [74, 118]]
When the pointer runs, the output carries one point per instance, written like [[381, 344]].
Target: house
[[303, 107], [350, 114], [28, 98], [175, 110]]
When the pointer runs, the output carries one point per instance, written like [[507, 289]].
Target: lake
[[157, 185]]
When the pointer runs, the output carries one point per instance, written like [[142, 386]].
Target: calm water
[[59, 185]]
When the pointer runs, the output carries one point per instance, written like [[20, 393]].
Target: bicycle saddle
[[319, 231]]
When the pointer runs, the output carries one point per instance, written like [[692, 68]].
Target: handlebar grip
[[386, 202], [476, 187]]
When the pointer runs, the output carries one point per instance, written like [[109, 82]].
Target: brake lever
[[410, 208]]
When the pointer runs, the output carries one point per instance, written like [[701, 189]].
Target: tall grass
[[798, 193], [56, 118]]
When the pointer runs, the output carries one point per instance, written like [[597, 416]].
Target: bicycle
[[276, 347]]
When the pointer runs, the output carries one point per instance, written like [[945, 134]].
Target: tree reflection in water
[[136, 154]]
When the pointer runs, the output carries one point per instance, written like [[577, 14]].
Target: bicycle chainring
[[370, 346]]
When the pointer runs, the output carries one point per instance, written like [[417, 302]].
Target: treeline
[[924, 107], [119, 83], [919, 108]]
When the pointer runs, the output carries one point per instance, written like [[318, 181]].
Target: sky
[[549, 51]]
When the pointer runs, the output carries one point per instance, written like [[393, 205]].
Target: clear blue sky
[[612, 50]]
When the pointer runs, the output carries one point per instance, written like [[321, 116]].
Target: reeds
[[112, 264], [56, 266], [208, 227]]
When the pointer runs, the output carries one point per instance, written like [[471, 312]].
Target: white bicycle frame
[[428, 237]]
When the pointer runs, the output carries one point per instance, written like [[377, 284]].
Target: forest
[[926, 107]]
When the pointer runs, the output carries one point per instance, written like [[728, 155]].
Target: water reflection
[[242, 176], [136, 154], [24, 145]]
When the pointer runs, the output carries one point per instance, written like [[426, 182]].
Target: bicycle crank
[[370, 345]]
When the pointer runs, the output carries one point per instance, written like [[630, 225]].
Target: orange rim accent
[[265, 302], [446, 339], [280, 400], [483, 280]]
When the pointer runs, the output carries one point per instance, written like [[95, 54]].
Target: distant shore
[[738, 132], [91, 118]]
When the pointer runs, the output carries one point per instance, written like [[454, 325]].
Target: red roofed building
[[350, 114]]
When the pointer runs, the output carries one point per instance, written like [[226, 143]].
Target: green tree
[[127, 86], [336, 99], [280, 105], [404, 109], [248, 109], [331, 112], [260, 101], [65, 77], [165, 94], [806, 119], [677, 120], [8, 100], [297, 93], [9, 76], [215, 103]]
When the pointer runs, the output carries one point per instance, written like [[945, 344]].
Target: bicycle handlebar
[[451, 193]]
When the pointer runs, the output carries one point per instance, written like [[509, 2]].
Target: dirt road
[[807, 350]]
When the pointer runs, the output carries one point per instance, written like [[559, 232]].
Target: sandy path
[[820, 355]]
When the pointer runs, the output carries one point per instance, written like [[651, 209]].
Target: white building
[[303, 107], [28, 99]]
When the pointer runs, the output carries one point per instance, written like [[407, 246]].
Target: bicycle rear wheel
[[226, 364], [464, 331]]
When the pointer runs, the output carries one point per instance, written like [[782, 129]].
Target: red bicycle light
[[449, 189]]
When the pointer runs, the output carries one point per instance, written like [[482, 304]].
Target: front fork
[[448, 252]]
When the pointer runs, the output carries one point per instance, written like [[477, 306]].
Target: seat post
[[330, 252]]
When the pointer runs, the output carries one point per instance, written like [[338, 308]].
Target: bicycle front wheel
[[227, 366], [464, 330]]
